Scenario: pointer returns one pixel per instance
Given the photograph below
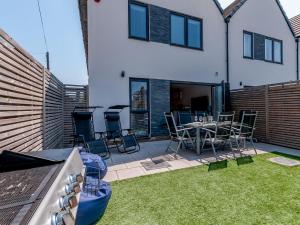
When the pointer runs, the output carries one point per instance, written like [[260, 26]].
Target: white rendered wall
[[263, 17], [110, 52]]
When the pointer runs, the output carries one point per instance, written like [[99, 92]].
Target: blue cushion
[[92, 205], [95, 164]]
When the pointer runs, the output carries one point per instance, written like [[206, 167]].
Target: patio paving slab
[[111, 176], [130, 173], [285, 161]]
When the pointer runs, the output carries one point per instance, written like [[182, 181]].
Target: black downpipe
[[297, 42], [227, 49]]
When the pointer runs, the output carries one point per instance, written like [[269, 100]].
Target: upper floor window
[[277, 51], [194, 33], [261, 47], [186, 31], [177, 30], [268, 50], [138, 21], [248, 45]]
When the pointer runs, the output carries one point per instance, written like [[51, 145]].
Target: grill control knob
[[68, 201], [76, 178], [74, 187], [62, 218]]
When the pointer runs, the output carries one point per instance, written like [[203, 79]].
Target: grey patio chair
[[244, 131], [178, 134], [123, 139], [85, 134], [219, 134], [184, 117]]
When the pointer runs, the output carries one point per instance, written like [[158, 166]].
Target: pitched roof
[[230, 10], [295, 22], [237, 4]]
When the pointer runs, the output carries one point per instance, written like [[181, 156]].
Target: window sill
[[247, 57], [138, 38], [187, 47]]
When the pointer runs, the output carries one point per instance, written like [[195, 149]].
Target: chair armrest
[[209, 130], [184, 129]]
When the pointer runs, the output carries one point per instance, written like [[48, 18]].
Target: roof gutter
[[227, 20]]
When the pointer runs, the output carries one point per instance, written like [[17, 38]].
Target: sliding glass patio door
[[139, 106], [218, 99]]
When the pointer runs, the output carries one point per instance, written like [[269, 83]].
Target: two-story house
[[156, 56], [295, 22], [168, 55], [262, 46]]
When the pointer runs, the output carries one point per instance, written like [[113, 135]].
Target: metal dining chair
[[245, 130], [219, 134], [178, 134], [184, 118]]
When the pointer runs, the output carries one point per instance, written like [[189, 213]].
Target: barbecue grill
[[40, 188]]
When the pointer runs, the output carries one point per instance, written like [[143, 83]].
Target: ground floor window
[[139, 106]]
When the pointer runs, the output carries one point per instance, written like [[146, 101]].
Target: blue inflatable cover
[[92, 204], [94, 164]]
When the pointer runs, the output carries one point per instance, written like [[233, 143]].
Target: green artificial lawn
[[254, 192]]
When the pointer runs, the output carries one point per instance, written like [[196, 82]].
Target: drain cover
[[285, 161]]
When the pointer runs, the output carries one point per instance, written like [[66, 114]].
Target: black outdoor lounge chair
[[84, 133], [124, 139]]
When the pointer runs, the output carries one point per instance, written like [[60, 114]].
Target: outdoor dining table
[[199, 126]]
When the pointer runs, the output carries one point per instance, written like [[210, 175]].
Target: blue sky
[[20, 19]]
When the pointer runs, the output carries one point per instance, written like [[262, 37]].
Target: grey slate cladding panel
[[159, 24], [259, 46], [160, 103]]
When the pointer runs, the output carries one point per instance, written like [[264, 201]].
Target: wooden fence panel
[[278, 107], [32, 102], [252, 98], [21, 98]]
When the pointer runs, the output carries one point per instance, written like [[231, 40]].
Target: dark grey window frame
[[131, 2], [186, 18], [281, 51], [270, 39], [266, 37], [185, 29], [147, 111], [252, 45], [201, 31]]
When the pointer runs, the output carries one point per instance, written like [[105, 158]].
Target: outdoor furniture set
[[204, 131]]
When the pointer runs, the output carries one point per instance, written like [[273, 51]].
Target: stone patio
[[152, 159]]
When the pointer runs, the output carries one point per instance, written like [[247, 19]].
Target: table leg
[[198, 141]]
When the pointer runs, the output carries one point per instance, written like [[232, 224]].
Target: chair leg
[[252, 143], [230, 143], [205, 137], [190, 139], [168, 147], [212, 145], [178, 147]]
